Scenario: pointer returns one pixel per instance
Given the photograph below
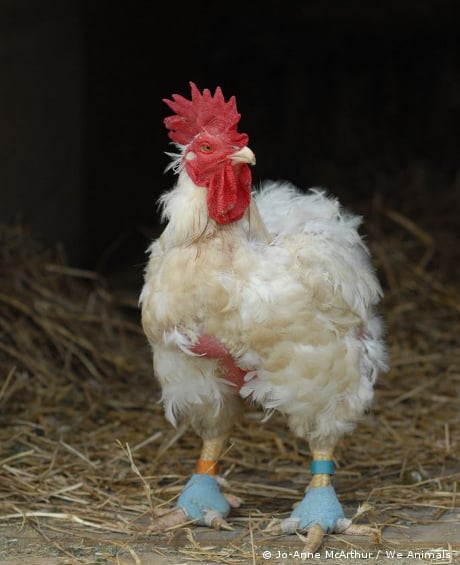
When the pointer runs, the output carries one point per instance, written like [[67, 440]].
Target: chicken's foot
[[201, 500], [320, 511]]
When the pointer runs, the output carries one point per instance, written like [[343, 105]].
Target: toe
[[169, 519], [233, 500], [313, 539], [215, 520], [361, 530], [277, 527]]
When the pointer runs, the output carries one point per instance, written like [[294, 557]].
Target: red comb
[[203, 112]]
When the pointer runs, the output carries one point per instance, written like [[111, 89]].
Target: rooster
[[263, 296]]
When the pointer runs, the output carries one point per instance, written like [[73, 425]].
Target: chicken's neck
[[186, 210]]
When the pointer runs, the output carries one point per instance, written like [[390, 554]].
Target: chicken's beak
[[244, 155]]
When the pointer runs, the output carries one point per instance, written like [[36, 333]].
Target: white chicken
[[266, 296]]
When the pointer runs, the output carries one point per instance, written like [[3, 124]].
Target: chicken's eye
[[206, 148]]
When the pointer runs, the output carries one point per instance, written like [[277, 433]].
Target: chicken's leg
[[201, 499], [320, 511]]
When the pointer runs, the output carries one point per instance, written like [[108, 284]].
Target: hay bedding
[[87, 455]]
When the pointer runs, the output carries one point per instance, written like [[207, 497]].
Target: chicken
[[265, 297]]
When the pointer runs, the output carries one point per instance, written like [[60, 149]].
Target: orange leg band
[[204, 467]]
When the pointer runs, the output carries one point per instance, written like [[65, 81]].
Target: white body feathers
[[292, 297]]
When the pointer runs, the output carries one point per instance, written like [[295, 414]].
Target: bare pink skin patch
[[211, 347]]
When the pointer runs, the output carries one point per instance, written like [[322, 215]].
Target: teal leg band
[[322, 467]]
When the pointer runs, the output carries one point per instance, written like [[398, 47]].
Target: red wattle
[[229, 193]]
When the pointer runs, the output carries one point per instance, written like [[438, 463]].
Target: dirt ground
[[417, 541]]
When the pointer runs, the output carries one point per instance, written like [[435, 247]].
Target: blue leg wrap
[[201, 495], [320, 506]]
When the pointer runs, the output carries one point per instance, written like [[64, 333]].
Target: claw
[[222, 524], [216, 520]]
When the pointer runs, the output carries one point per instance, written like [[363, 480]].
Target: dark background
[[361, 97]]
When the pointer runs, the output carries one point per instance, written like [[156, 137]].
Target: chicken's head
[[215, 155]]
